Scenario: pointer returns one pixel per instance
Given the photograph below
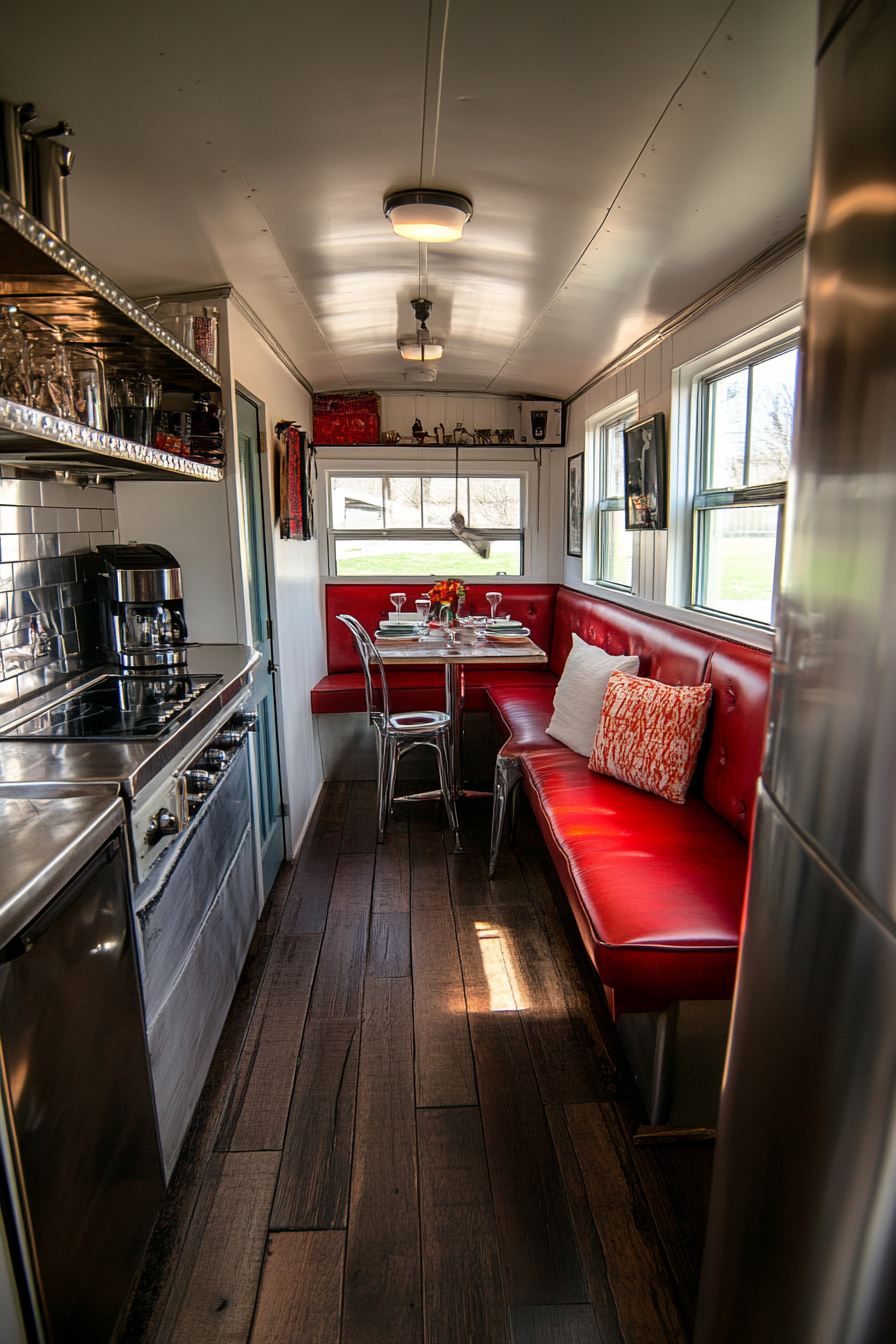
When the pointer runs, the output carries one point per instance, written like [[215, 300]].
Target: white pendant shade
[[422, 347], [428, 216]]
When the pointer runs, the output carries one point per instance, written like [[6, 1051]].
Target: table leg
[[454, 708]]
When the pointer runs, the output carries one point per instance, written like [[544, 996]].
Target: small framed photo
[[645, 474], [575, 503]]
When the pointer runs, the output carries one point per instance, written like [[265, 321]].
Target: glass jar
[[15, 358], [51, 377]]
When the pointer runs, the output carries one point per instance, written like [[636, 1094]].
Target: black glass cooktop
[[116, 707]]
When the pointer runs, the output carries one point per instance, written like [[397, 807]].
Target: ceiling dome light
[[420, 373], [422, 346], [428, 216]]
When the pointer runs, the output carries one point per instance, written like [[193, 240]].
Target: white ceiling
[[622, 159]]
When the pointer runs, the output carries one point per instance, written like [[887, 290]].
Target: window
[[401, 524], [608, 547], [745, 434]]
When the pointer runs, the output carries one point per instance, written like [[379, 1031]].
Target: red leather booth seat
[[657, 889], [342, 690]]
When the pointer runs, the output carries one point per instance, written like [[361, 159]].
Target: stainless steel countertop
[[59, 769], [43, 844]]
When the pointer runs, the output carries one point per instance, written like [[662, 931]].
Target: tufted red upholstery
[[531, 603], [657, 889], [740, 679], [422, 688], [668, 652]]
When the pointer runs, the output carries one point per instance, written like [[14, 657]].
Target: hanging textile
[[294, 482]]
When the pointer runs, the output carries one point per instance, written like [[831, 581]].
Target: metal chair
[[397, 734]]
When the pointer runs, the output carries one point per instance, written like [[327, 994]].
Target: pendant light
[[424, 346], [428, 216]]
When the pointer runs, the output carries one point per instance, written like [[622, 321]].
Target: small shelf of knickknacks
[[89, 381]]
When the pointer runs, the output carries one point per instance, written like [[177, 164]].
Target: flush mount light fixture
[[428, 216], [423, 346], [421, 373]]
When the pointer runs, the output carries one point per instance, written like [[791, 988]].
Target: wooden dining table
[[430, 652]]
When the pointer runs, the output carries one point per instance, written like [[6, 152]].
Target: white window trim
[[533, 561], [624, 407], [683, 444]]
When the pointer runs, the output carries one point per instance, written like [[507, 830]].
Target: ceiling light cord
[[438, 106], [435, 134]]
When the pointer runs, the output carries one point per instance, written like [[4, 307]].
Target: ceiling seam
[[256, 207], [639, 156]]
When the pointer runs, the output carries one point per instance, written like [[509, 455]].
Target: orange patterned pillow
[[649, 734]]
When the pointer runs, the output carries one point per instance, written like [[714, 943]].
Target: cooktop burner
[[116, 707]]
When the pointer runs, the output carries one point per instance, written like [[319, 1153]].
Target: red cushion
[[409, 688], [668, 652], [657, 889], [649, 734], [524, 714], [531, 603], [740, 678]]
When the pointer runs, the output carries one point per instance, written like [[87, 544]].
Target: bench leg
[[508, 773], [664, 1066]]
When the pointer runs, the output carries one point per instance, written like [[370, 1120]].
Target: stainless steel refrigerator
[[801, 1244]]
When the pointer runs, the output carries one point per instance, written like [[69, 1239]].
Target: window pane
[[438, 500], [771, 419], [430, 559], [357, 501], [615, 548], [402, 501], [726, 431], [614, 461], [494, 501], [738, 561]]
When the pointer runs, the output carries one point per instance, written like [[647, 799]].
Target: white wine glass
[[398, 600], [493, 600]]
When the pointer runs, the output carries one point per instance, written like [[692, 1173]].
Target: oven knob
[[163, 823], [216, 760], [228, 738], [200, 781], [248, 720]]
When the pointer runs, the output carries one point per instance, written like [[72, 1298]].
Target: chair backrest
[[375, 685]]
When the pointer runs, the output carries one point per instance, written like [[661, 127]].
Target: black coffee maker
[[141, 606]]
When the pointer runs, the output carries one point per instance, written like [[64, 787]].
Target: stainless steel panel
[[43, 844], [833, 757], [802, 1231], [147, 585]]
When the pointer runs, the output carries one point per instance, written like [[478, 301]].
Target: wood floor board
[[389, 953], [359, 830], [463, 1298], [266, 1072], [507, 887], [382, 1290], [429, 881], [300, 1297], [391, 881], [309, 893], [539, 1255], [213, 1295], [443, 1061], [636, 1268], [313, 1185], [554, 1325], [340, 972], [590, 1248]]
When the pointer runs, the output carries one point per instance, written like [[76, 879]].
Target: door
[[269, 809]]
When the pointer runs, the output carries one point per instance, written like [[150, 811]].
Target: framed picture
[[575, 503], [645, 474]]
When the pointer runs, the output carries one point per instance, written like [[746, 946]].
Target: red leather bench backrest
[[670, 653], [740, 679], [533, 604]]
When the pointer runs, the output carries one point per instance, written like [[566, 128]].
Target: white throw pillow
[[580, 692]]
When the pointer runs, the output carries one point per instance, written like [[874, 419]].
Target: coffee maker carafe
[[141, 606]]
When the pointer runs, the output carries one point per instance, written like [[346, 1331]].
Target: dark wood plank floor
[[417, 1126]]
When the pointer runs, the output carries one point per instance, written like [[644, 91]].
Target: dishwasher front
[[84, 1176]]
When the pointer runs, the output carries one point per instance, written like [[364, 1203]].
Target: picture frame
[[575, 503], [646, 483]]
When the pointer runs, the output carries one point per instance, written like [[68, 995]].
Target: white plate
[[504, 625], [396, 639], [514, 637]]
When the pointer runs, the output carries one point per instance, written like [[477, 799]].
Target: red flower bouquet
[[448, 593]]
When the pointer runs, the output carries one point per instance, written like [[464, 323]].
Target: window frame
[[362, 469], [688, 446], [597, 501]]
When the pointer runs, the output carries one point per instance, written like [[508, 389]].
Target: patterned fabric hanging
[[293, 481]]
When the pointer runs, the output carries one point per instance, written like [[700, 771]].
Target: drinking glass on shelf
[[88, 387], [51, 378], [15, 364], [493, 599], [398, 600]]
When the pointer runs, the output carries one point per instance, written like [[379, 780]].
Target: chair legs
[[385, 785], [390, 748], [508, 773], [447, 783]]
